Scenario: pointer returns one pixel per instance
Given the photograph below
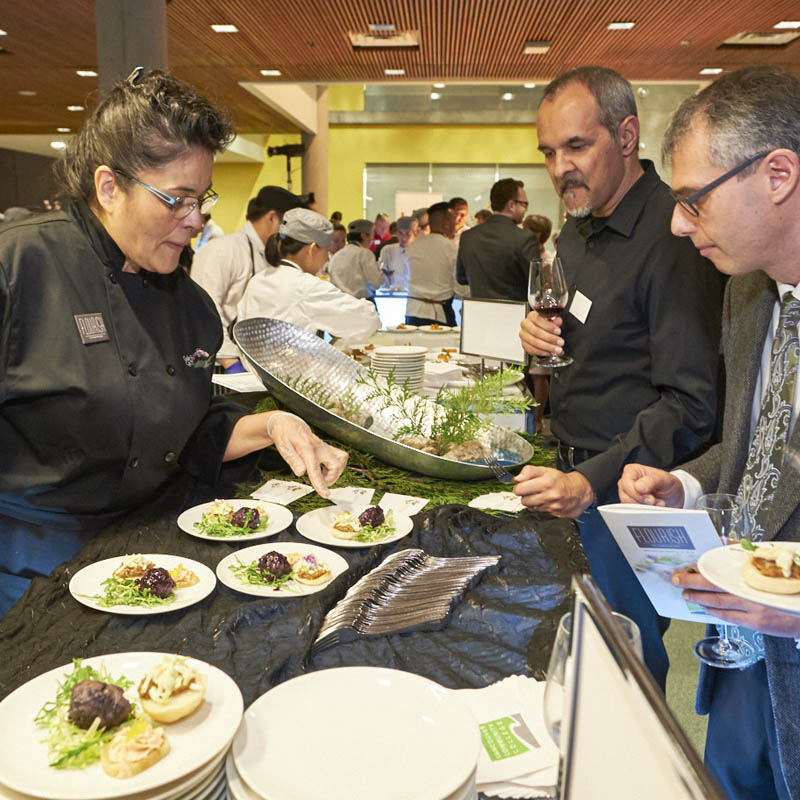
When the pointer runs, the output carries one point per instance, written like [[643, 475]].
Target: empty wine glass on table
[[548, 294], [559, 670], [728, 516]]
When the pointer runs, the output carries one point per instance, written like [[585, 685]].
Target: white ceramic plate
[[333, 561], [723, 567], [278, 519], [86, 583], [439, 329], [316, 525], [395, 351], [368, 732], [402, 327], [194, 741], [237, 788]]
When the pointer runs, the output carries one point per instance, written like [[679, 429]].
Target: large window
[[382, 182]]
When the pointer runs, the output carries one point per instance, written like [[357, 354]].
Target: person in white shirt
[[432, 272], [393, 260], [354, 269], [210, 231], [289, 289], [225, 265]]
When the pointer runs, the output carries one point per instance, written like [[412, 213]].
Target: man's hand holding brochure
[[657, 542]]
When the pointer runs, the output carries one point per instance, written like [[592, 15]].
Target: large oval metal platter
[[283, 356]]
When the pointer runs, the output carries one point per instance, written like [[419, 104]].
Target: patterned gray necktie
[[765, 458]]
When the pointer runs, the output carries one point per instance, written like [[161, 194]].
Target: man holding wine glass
[[641, 328], [735, 150]]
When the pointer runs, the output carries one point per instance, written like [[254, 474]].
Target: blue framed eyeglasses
[[688, 203], [181, 206]]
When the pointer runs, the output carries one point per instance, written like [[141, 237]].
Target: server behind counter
[[106, 348]]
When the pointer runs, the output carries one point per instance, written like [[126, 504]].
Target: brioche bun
[[757, 580], [123, 757], [178, 705], [323, 577]]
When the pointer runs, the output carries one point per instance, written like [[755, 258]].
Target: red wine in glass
[[548, 295]]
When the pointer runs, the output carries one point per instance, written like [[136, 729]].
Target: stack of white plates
[[407, 362], [365, 733], [194, 769]]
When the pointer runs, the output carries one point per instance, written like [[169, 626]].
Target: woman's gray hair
[[142, 123], [614, 94], [747, 111]]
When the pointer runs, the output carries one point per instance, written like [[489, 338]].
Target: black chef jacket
[[642, 387], [105, 376], [494, 258]]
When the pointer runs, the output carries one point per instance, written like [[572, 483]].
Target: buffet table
[[505, 624]]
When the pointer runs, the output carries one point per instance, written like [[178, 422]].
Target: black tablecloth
[[505, 624]]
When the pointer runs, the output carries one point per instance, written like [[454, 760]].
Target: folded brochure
[[657, 542]]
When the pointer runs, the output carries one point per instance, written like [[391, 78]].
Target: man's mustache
[[571, 183]]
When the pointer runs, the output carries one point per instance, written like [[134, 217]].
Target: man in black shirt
[[642, 327], [494, 258]]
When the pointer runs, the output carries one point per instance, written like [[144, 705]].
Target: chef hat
[[305, 225], [405, 223], [363, 226]]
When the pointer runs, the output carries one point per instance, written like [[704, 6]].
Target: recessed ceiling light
[[63, 130], [224, 29], [270, 72], [711, 71], [685, 42], [438, 86], [394, 72], [3, 33], [27, 93], [788, 24], [381, 27], [536, 48], [530, 85], [620, 26], [74, 108], [435, 95], [508, 96], [86, 73], [58, 145]]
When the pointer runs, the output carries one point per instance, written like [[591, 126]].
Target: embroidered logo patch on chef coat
[[91, 328], [199, 358]]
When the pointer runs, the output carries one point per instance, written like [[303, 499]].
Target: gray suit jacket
[[746, 318]]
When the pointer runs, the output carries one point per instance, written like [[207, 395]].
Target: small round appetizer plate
[[87, 583], [723, 567], [278, 519], [325, 558], [317, 525], [195, 742]]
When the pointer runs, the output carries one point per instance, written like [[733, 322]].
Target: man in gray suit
[[735, 150]]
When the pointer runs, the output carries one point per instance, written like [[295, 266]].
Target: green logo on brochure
[[501, 742]]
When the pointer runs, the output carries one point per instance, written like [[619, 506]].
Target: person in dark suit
[[494, 258], [735, 150]]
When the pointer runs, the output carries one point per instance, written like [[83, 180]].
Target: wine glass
[[548, 294], [559, 670], [729, 516]]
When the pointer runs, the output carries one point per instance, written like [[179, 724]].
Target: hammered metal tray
[[282, 354]]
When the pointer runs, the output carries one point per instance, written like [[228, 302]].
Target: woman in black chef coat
[[106, 348]]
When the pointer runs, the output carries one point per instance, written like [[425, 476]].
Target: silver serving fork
[[500, 472]]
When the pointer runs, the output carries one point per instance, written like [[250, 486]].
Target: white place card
[[283, 492], [404, 504]]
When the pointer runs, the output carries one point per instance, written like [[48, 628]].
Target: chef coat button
[[556, 374], [169, 457], [170, 369], [134, 462], [132, 370], [145, 282], [112, 277]]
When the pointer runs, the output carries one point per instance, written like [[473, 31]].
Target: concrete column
[[129, 33], [315, 160]]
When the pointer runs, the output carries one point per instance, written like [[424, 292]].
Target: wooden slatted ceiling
[[307, 40]]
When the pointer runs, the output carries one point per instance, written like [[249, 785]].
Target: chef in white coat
[[289, 289]]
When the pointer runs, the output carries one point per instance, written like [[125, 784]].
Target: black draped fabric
[[506, 623]]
